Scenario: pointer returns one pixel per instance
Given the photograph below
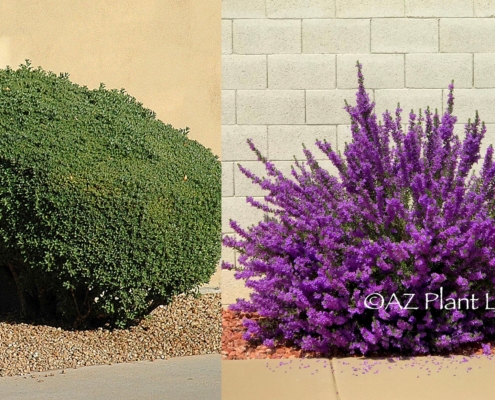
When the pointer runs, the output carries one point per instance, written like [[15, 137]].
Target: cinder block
[[484, 8], [286, 167], [327, 106], [228, 254], [404, 35], [226, 36], [387, 99], [243, 72], [214, 282], [467, 35], [369, 9], [438, 70], [271, 107], [300, 8], [233, 289], [301, 71], [379, 70], [285, 141], [467, 101], [237, 209], [344, 135], [234, 146], [227, 179], [243, 186], [439, 8], [336, 36], [243, 9], [267, 36], [228, 107], [484, 65]]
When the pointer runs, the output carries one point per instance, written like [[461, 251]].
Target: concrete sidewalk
[[419, 378], [181, 378]]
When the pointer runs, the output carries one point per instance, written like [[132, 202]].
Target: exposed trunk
[[20, 292], [81, 318]]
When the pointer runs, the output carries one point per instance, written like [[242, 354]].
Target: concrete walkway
[[199, 377], [182, 378], [419, 378]]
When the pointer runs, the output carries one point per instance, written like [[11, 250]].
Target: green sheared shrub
[[105, 211]]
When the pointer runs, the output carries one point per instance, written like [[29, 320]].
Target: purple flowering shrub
[[404, 216]]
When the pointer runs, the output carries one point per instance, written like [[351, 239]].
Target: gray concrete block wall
[[288, 65]]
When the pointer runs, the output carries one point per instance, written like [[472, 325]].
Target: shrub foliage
[[105, 211], [403, 217]]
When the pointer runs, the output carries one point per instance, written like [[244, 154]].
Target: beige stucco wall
[[166, 53]]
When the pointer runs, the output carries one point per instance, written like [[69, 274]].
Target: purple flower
[[403, 216]]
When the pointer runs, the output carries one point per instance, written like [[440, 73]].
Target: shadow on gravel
[[10, 309], [15, 318]]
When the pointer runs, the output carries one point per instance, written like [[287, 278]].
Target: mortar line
[[266, 68], [233, 177], [267, 141], [472, 76], [301, 36], [370, 35], [305, 108], [441, 107], [335, 71], [337, 138], [438, 35]]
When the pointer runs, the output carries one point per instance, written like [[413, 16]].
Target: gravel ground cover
[[188, 326], [234, 347]]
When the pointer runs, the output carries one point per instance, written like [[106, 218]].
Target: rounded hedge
[[105, 211]]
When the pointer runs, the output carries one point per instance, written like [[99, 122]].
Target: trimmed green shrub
[[105, 211]]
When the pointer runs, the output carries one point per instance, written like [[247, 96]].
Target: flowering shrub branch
[[404, 217]]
